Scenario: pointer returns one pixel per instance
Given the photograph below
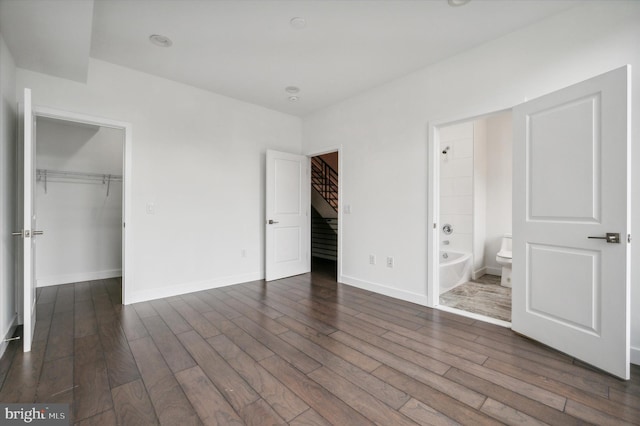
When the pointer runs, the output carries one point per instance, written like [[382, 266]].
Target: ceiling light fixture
[[298, 23], [160, 40], [456, 3], [293, 98], [292, 90]]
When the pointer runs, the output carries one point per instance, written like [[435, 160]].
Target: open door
[[287, 215], [571, 205], [26, 171]]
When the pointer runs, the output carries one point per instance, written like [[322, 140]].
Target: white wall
[[82, 225], [7, 192], [199, 158], [480, 188], [499, 183], [384, 133]]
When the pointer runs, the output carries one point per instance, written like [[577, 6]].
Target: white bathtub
[[455, 269]]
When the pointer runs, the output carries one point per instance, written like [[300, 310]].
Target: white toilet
[[504, 259]]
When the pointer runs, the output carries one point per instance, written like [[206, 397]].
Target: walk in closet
[[78, 202]]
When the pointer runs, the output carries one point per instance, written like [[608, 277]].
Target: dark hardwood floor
[[302, 351]]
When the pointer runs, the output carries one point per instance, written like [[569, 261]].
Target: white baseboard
[[478, 273], [184, 288], [492, 270], [407, 296], [8, 333], [635, 355], [78, 278]]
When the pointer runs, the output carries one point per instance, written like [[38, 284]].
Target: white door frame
[[127, 204], [433, 211], [328, 150]]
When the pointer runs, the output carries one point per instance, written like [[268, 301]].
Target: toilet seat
[[504, 257]]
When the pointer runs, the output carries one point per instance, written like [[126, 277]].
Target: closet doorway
[[80, 198]]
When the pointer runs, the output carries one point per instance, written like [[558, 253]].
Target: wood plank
[[283, 401], [512, 399], [92, 394], [425, 415], [292, 355], [227, 380], [212, 408], [260, 413], [174, 321], [167, 397], [450, 407], [171, 349], [106, 418], [60, 342], [372, 408], [132, 405], [310, 418], [338, 348], [371, 384], [321, 400]]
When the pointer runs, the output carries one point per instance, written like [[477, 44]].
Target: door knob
[[18, 234], [271, 222], [611, 237], [37, 233]]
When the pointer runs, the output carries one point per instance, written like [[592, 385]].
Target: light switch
[[151, 208]]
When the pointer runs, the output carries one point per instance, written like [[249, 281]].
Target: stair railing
[[324, 179]]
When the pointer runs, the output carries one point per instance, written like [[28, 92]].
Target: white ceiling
[[248, 50]]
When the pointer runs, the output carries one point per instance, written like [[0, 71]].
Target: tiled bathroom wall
[[456, 186]]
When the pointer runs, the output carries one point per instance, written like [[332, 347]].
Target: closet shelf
[[48, 175]]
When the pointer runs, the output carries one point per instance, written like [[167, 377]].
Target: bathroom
[[475, 216]]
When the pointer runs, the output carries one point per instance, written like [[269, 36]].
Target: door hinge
[[629, 238]]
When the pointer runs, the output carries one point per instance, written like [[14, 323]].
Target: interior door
[[26, 171], [288, 189], [571, 255]]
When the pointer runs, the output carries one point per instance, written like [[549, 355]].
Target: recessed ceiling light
[[455, 3], [293, 98], [298, 23], [292, 90], [160, 40]]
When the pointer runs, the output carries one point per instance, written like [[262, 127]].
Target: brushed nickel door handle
[[611, 237]]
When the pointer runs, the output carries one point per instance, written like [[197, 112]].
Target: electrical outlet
[[389, 262], [372, 259]]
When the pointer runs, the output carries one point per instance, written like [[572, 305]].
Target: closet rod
[[46, 175], [41, 173]]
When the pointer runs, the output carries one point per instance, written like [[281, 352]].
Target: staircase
[[324, 220], [325, 180], [324, 236]]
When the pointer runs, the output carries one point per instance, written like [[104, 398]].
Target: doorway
[[325, 186], [78, 202], [475, 183], [83, 182]]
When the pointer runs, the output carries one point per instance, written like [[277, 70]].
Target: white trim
[[127, 200], [475, 316], [194, 286], [407, 296], [635, 355], [328, 150], [10, 330], [77, 277]]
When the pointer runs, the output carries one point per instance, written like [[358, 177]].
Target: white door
[[26, 171], [288, 223], [571, 184]]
